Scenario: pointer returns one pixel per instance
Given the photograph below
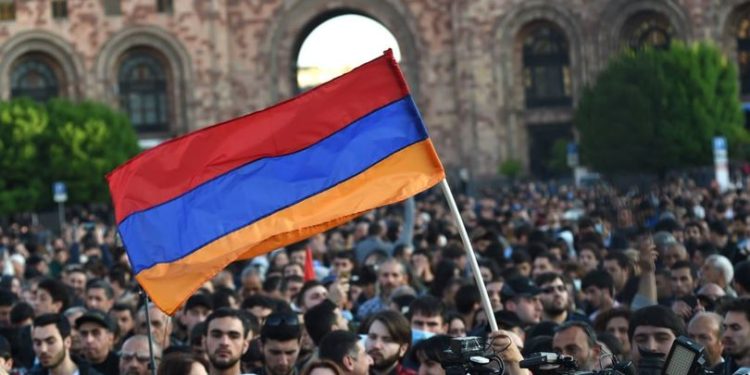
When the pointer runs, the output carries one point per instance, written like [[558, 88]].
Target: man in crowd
[[391, 275], [280, 342], [427, 314], [226, 340], [196, 310], [345, 349], [51, 297], [388, 341], [135, 356], [96, 331], [554, 297], [578, 340], [99, 295], [322, 319], [598, 289], [7, 300], [51, 342], [521, 296], [736, 336], [705, 329], [161, 327], [653, 329]]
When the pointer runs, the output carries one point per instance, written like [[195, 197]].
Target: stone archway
[[282, 43], [180, 69], [50, 45]]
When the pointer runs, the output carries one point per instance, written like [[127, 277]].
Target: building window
[[143, 91], [7, 10], [34, 78], [546, 68], [164, 6], [648, 29], [743, 52], [59, 9], [111, 7]]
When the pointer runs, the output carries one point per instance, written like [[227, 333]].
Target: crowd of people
[[599, 274]]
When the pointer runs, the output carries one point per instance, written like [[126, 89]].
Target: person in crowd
[[598, 289], [741, 282], [391, 275], [521, 296], [736, 335], [718, 269], [620, 267], [705, 329], [7, 300], [161, 327], [135, 356], [388, 340], [280, 341], [226, 340], [51, 342], [179, 363], [322, 367], [99, 295], [427, 314], [346, 350], [653, 329], [322, 319], [124, 315], [554, 297], [578, 340], [6, 356], [197, 308], [51, 297], [96, 331], [615, 322], [429, 353]]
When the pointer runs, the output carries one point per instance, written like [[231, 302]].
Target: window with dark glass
[[7, 10], [743, 52], [164, 6], [59, 8], [111, 7], [546, 68], [648, 29], [34, 78], [143, 91]]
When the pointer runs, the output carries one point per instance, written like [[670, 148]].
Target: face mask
[[599, 228]]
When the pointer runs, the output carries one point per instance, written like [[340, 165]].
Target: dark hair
[[123, 307], [57, 290], [622, 260], [398, 327], [319, 319], [612, 343], [281, 326], [742, 275], [520, 256], [222, 297], [685, 264], [548, 277], [322, 363], [20, 312], [307, 286], [258, 300], [101, 284], [7, 298], [179, 363], [600, 279], [585, 327], [657, 316], [467, 297], [337, 344], [59, 320], [427, 305], [737, 305], [601, 321], [225, 312]]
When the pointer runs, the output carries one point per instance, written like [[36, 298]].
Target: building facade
[[495, 80]]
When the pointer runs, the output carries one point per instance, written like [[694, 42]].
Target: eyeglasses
[[275, 320], [127, 357], [550, 289]]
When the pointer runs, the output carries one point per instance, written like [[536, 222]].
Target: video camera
[[470, 355], [686, 357]]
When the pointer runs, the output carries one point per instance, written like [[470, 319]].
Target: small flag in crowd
[[191, 206], [309, 265]]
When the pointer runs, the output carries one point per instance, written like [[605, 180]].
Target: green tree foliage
[[77, 143], [654, 110]]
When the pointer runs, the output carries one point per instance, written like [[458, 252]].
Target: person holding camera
[[578, 340]]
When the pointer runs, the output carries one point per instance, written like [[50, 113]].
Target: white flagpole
[[470, 253]]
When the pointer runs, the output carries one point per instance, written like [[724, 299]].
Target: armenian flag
[[190, 206]]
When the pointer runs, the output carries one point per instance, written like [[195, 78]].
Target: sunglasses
[[275, 320], [550, 289]]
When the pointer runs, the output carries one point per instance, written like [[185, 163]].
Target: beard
[[384, 363], [223, 364], [57, 360]]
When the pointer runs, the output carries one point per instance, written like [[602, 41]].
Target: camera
[[553, 363], [470, 355]]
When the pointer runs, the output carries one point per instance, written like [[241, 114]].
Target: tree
[[77, 143], [87, 140], [653, 110], [22, 126]]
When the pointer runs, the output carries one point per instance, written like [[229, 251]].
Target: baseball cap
[[519, 287], [98, 317], [199, 299]]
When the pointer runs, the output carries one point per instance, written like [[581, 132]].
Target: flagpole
[[152, 360], [485, 298]]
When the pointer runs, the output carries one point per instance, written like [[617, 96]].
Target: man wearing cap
[[521, 296], [96, 330], [196, 309]]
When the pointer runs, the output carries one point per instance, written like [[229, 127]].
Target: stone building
[[494, 79]]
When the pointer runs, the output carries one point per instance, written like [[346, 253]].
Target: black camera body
[[559, 364], [469, 355]]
